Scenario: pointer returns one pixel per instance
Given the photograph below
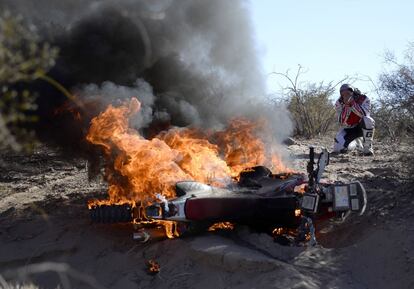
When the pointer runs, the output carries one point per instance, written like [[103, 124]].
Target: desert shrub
[[312, 110], [23, 59], [394, 111], [311, 105], [390, 125]]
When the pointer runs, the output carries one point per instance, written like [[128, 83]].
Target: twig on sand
[[62, 269]]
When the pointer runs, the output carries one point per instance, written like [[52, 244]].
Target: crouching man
[[353, 112]]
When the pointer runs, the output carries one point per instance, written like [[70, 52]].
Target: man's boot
[[368, 135]]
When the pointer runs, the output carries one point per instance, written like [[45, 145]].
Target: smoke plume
[[190, 62]]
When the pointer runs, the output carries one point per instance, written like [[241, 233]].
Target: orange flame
[[241, 147], [198, 157], [221, 226], [137, 168], [150, 166], [153, 267]]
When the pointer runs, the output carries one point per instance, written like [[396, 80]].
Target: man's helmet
[[345, 86]]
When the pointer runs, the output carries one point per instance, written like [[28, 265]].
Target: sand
[[44, 220]]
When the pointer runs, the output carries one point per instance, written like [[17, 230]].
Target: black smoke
[[191, 62]]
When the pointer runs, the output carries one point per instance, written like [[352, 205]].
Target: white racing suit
[[355, 120]]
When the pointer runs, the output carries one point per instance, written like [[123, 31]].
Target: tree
[[23, 59]]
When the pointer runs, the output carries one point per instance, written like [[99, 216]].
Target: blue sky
[[330, 38]]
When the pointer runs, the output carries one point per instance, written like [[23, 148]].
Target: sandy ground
[[43, 218]]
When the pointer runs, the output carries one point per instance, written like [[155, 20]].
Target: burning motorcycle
[[259, 199]]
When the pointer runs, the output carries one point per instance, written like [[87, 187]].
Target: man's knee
[[368, 122]]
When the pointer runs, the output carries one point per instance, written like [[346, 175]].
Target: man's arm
[[342, 112], [345, 108], [356, 108]]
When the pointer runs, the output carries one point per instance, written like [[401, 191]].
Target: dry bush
[[311, 107], [313, 111], [390, 124], [394, 111]]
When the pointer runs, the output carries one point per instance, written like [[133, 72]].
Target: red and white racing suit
[[355, 120]]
